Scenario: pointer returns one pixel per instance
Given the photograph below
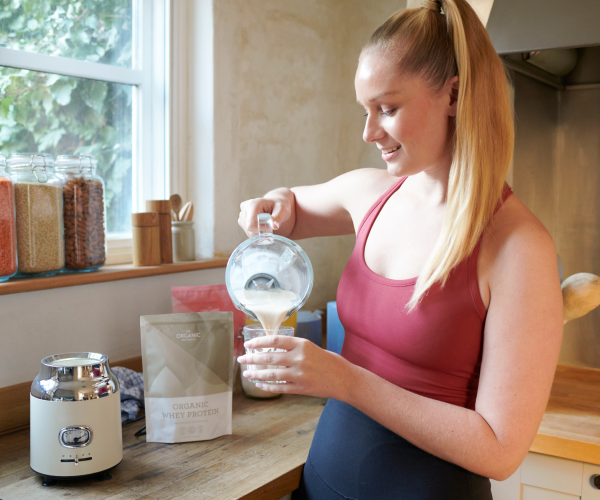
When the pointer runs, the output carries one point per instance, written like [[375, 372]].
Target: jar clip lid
[[43, 169], [84, 169]]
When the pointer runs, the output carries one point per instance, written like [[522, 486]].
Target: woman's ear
[[451, 89]]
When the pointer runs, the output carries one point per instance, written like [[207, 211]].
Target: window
[[90, 77]]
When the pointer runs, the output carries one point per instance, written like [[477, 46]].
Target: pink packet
[[187, 299]]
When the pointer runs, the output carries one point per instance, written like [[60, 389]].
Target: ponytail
[[443, 39]]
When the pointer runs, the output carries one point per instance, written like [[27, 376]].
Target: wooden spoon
[[190, 213], [184, 211], [581, 294], [176, 204]]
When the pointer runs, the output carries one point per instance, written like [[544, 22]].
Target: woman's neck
[[431, 185]]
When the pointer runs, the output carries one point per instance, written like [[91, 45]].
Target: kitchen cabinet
[[543, 477], [533, 493]]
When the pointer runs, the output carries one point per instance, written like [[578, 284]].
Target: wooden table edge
[[571, 449], [278, 487]]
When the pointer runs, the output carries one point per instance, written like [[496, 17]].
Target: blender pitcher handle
[[265, 229]]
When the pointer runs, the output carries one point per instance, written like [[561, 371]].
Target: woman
[[444, 378]]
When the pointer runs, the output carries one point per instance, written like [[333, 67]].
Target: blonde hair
[[443, 39]]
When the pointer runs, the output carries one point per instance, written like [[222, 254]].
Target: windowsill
[[104, 274]]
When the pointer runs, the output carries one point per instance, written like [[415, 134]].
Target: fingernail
[[275, 224], [248, 344], [246, 373], [241, 359], [259, 385]]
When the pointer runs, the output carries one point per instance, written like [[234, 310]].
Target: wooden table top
[[263, 459], [571, 424]]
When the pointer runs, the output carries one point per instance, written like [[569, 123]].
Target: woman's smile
[[389, 153]]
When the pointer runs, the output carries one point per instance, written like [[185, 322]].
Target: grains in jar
[[40, 245], [39, 214], [8, 238], [83, 203]]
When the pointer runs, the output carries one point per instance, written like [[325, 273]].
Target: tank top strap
[[506, 192], [379, 204]]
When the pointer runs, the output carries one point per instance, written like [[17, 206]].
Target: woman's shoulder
[[361, 188], [515, 238], [368, 180], [514, 221]]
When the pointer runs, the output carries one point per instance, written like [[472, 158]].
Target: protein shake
[[269, 306]]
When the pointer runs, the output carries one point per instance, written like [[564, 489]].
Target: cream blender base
[[75, 417], [51, 458]]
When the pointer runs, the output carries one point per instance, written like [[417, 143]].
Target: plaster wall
[[285, 111], [534, 171]]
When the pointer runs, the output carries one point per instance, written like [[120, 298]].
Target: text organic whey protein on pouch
[[187, 362]]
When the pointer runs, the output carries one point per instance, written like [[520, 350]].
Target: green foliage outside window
[[42, 112]]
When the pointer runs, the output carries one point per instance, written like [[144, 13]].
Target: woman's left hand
[[308, 370]]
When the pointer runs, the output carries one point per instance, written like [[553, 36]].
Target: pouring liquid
[[269, 306]]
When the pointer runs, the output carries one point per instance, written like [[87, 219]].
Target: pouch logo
[[188, 335]]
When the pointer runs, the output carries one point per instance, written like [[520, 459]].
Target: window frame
[[150, 78]]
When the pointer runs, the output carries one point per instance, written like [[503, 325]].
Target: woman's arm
[[523, 332], [329, 209]]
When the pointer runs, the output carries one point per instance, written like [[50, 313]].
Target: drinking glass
[[251, 332]]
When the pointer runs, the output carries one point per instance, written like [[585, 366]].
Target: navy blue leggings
[[354, 457]]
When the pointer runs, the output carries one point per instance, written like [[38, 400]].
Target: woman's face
[[411, 124]]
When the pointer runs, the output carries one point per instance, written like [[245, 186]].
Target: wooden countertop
[[571, 424], [263, 459]]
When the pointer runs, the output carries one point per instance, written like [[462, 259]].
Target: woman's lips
[[389, 153]]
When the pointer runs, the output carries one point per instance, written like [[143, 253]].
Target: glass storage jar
[[39, 214], [84, 212], [8, 234]]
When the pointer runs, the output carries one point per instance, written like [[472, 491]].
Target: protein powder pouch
[[187, 360]]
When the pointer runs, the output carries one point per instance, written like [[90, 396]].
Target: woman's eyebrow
[[376, 97]]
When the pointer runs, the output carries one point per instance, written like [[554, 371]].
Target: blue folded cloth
[[132, 392]]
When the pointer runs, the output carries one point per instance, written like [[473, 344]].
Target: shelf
[[105, 274]]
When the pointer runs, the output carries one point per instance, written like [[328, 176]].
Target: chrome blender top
[[74, 376], [266, 262]]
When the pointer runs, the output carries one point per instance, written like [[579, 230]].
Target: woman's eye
[[388, 113]]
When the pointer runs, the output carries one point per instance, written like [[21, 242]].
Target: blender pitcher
[[269, 277]]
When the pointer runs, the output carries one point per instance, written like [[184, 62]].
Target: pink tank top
[[436, 350]]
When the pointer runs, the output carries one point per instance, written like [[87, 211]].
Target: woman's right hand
[[280, 210]]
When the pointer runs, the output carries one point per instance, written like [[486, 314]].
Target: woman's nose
[[373, 131]]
